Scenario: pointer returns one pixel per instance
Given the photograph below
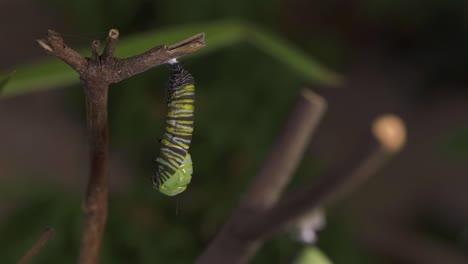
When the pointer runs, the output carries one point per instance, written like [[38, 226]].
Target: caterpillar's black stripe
[[179, 123], [179, 79]]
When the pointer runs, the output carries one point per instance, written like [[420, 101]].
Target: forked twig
[[388, 138], [96, 73], [243, 232]]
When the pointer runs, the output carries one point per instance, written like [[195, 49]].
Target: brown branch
[[388, 138], [269, 183], [38, 245], [243, 232], [96, 73], [115, 69], [95, 202], [156, 56], [278, 170], [390, 132]]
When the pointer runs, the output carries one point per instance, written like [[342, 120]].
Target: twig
[[243, 232], [128, 67], [388, 138], [38, 245], [286, 153], [114, 69], [55, 45], [96, 73], [390, 132], [111, 44], [269, 183]]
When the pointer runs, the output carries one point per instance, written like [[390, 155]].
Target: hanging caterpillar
[[174, 164]]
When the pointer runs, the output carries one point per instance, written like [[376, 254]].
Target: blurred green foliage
[[247, 80], [312, 255], [4, 79]]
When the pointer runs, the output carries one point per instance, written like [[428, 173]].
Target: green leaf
[[52, 72], [4, 79], [312, 255], [297, 60]]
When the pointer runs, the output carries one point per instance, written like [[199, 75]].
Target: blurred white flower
[[309, 225]]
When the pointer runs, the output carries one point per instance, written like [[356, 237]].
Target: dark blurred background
[[404, 57]]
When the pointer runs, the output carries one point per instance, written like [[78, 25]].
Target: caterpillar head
[[178, 182]]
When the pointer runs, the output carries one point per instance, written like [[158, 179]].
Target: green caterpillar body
[[174, 164]]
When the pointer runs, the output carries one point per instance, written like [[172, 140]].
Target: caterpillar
[[174, 163]]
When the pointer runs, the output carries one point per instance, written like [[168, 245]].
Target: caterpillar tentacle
[[174, 164]]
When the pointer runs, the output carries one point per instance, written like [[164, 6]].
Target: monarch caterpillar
[[174, 164]]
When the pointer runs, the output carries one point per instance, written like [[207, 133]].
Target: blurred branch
[[338, 181], [275, 174], [40, 243], [390, 133], [243, 232], [96, 73], [50, 73], [277, 171]]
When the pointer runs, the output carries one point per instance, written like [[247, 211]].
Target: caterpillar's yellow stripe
[[174, 164]]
